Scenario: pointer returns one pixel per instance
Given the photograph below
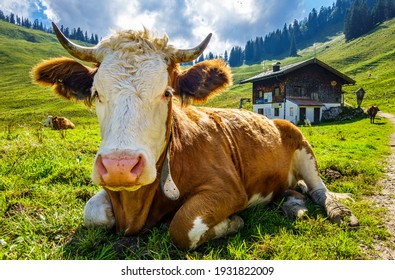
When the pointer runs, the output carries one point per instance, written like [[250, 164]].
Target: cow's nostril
[[100, 166], [138, 168]]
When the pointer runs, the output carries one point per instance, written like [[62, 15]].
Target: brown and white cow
[[372, 112], [58, 123], [162, 157]]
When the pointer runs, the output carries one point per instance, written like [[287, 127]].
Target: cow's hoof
[[295, 209], [339, 213], [235, 224]]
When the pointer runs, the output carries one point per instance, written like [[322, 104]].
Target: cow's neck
[[131, 209]]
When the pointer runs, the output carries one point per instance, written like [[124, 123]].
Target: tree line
[[75, 33], [354, 17], [364, 15], [283, 42]]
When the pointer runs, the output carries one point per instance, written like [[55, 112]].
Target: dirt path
[[386, 198]]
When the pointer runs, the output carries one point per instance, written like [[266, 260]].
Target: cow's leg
[[305, 166], [205, 216], [294, 207], [98, 211]]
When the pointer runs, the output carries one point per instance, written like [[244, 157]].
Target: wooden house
[[298, 92]]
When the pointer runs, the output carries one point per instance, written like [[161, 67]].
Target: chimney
[[276, 66]]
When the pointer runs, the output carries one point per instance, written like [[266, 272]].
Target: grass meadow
[[45, 174]]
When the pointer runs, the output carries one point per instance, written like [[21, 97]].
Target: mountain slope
[[369, 60], [20, 100]]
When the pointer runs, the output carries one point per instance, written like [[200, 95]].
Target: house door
[[302, 115], [317, 112]]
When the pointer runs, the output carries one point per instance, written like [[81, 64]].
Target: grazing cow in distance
[[160, 156], [58, 123], [372, 112]]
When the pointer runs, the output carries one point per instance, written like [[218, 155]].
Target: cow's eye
[[168, 93], [96, 96]]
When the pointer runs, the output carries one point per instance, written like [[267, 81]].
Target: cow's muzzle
[[120, 169]]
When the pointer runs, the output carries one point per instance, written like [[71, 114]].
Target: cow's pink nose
[[120, 170]]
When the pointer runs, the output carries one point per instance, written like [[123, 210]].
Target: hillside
[[369, 60], [20, 100]]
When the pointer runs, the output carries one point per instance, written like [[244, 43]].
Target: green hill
[[20, 100], [369, 60]]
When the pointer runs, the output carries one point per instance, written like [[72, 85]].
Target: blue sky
[[186, 22]]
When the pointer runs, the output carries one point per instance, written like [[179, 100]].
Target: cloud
[[22, 8], [186, 22]]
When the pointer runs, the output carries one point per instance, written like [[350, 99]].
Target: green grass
[[45, 175], [45, 182]]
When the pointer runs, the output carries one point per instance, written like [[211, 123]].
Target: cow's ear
[[203, 80], [69, 78]]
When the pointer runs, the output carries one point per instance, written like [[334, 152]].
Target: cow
[[161, 157], [58, 123], [372, 112]]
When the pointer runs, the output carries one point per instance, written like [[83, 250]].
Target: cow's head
[[132, 84], [48, 121]]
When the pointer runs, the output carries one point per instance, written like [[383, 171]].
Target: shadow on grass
[[260, 222]]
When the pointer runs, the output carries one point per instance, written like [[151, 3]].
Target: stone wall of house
[[341, 114]]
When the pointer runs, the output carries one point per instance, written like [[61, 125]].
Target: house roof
[[305, 102], [292, 67]]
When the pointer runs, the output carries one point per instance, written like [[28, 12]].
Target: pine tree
[[67, 32], [232, 57], [36, 24], [296, 31], [285, 40], [312, 23], [226, 56], [249, 53], [292, 50], [236, 57], [201, 58], [379, 12], [389, 8], [358, 20], [258, 50], [12, 18]]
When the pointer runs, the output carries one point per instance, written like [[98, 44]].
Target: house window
[[276, 112], [298, 91], [260, 94], [268, 111], [291, 111], [260, 111], [276, 91]]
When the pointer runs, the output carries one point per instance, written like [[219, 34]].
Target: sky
[[186, 22]]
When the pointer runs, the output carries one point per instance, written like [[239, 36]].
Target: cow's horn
[[80, 52], [191, 54]]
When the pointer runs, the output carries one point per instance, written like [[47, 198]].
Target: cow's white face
[[132, 108], [132, 101], [48, 121]]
